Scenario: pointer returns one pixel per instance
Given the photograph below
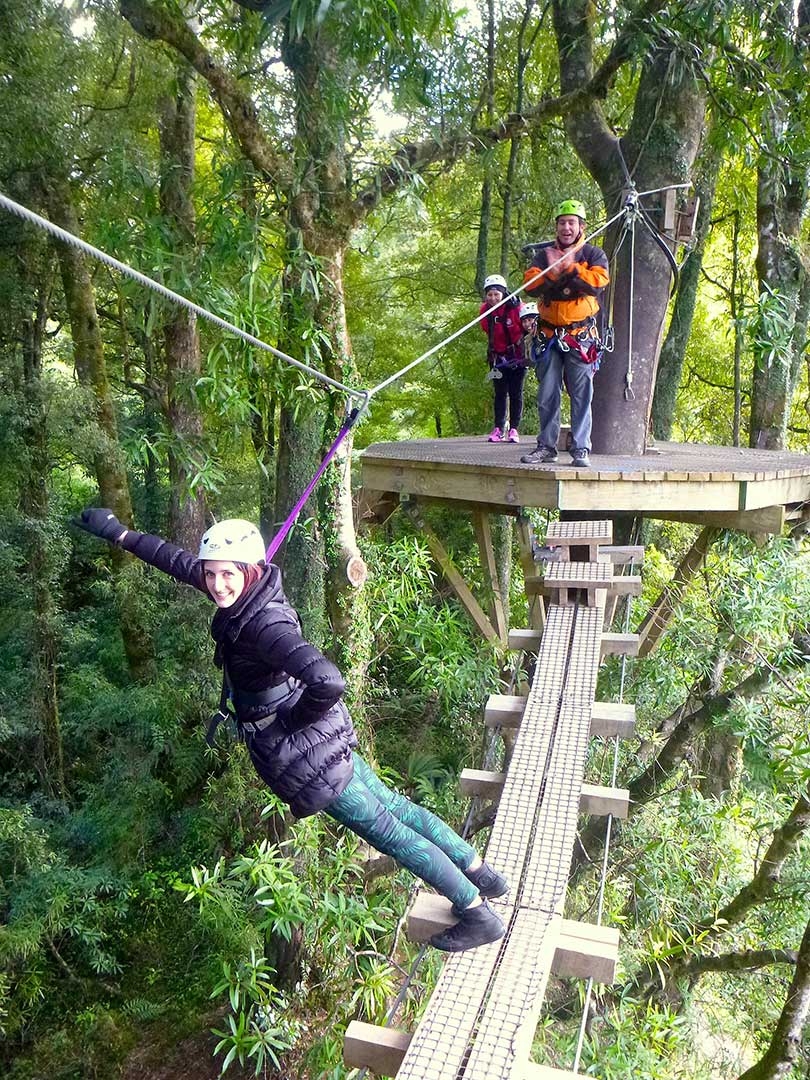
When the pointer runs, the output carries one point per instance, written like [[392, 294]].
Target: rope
[[632, 208], [280, 536], [169, 294]]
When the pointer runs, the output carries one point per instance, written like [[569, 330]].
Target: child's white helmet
[[233, 540], [495, 281], [529, 308]]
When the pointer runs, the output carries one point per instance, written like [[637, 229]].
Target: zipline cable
[[473, 322], [169, 294]]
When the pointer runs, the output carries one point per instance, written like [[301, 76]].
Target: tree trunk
[[786, 1042], [108, 463], [182, 341], [485, 220], [320, 224], [782, 191], [34, 500], [658, 150], [670, 364], [524, 52]]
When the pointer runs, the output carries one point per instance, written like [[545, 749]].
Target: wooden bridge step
[[578, 575], [372, 1046], [583, 950], [568, 533], [618, 585], [611, 644], [594, 798], [382, 1049], [608, 718]]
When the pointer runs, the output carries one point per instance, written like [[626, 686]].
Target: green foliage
[[257, 1027]]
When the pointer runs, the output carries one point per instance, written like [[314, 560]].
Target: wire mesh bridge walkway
[[480, 1021]]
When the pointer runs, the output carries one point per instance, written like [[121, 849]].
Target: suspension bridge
[[481, 1018]]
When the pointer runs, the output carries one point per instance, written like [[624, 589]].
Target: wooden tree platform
[[723, 486]]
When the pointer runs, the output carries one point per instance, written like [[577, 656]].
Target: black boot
[[476, 926], [489, 882]]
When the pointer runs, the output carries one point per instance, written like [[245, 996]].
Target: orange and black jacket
[[568, 297]]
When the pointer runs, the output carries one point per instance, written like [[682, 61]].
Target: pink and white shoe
[[513, 435], [495, 436]]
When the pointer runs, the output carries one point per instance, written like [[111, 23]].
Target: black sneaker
[[541, 456], [580, 459], [476, 926], [489, 882]]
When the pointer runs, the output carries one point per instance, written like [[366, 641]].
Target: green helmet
[[571, 206]]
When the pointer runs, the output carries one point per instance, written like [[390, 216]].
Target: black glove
[[101, 522]]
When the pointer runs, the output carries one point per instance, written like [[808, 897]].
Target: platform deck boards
[[689, 478]]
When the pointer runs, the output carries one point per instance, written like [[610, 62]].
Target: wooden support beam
[[769, 519], [524, 640], [467, 506], [375, 506], [661, 611], [622, 554], [586, 951], [525, 536], [600, 801], [594, 798], [611, 645], [618, 585], [488, 785], [625, 585], [504, 710], [456, 581], [612, 718], [619, 645], [668, 207], [371, 1046], [486, 551], [608, 718], [530, 1071], [583, 950]]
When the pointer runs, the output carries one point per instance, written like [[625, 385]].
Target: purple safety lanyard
[[281, 535]]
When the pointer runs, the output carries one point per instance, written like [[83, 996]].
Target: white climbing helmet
[[528, 309], [233, 540], [495, 281]]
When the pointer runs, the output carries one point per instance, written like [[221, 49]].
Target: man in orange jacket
[[567, 276]]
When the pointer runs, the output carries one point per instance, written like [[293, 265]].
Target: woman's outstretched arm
[[171, 559]]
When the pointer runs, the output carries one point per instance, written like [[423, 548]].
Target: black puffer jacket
[[305, 754]]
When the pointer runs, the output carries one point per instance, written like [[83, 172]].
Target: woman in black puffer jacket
[[289, 710]]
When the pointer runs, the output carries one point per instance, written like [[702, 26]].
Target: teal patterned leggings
[[417, 839]]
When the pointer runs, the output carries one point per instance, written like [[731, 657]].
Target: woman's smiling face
[[224, 581]]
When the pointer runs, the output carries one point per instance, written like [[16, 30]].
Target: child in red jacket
[[507, 367]]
